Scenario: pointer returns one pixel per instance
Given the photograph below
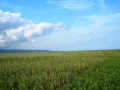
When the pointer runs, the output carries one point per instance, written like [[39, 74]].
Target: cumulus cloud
[[15, 30], [11, 20]]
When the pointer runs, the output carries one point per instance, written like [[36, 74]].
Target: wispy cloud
[[77, 4], [101, 3], [101, 32]]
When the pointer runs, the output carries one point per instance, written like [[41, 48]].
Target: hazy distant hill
[[20, 50]]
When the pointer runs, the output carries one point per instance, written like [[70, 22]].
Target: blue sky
[[60, 24]]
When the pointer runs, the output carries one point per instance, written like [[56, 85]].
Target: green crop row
[[57, 70], [105, 77]]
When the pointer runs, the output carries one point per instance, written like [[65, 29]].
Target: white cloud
[[100, 32], [101, 3], [11, 20], [88, 30], [77, 4], [100, 22], [14, 29]]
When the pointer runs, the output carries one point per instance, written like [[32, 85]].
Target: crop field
[[80, 70]]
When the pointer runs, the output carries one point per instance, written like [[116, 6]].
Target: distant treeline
[[20, 51]]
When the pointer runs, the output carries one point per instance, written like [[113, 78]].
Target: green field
[[85, 70]]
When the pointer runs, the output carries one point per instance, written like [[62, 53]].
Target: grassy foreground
[[89, 70]]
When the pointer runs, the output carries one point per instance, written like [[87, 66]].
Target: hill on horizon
[[21, 50]]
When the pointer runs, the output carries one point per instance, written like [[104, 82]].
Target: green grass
[[89, 70], [103, 77]]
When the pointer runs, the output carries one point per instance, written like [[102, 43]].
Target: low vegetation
[[85, 70]]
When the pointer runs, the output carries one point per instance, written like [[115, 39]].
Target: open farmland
[[85, 70]]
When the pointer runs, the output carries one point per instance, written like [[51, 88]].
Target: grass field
[[85, 70]]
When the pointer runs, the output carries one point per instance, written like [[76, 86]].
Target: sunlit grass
[[57, 70]]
